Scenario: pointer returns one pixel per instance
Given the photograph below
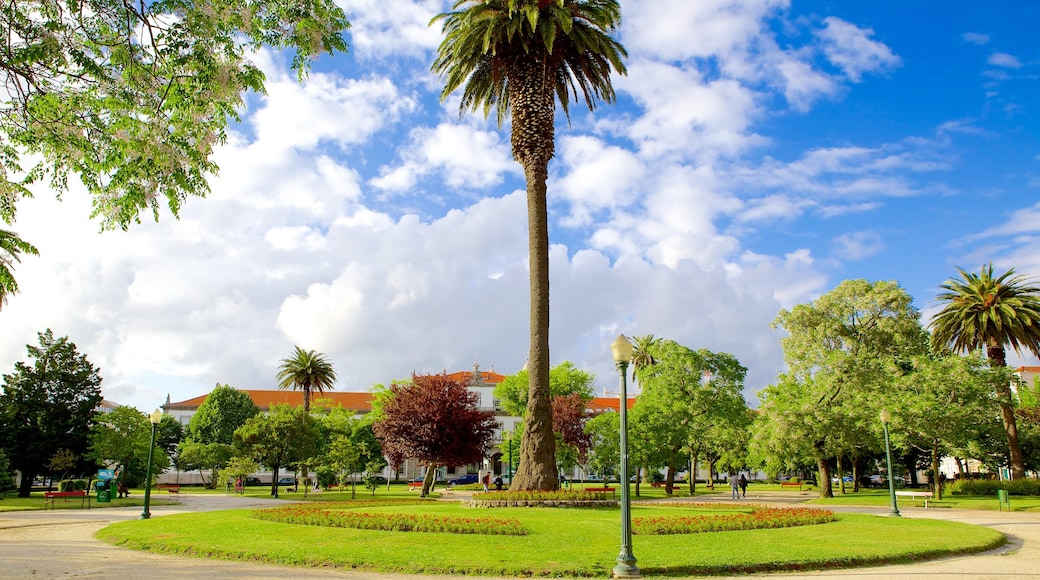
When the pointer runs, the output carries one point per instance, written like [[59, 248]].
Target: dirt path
[[61, 544]]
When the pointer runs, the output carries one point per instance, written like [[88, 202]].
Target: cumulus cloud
[[851, 49], [1005, 60], [976, 38]]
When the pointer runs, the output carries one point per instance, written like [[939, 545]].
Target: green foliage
[[47, 406], [989, 487], [348, 446], [11, 248], [133, 97], [6, 481], [224, 410], [236, 467], [282, 437], [565, 379], [72, 485], [204, 456], [121, 439]]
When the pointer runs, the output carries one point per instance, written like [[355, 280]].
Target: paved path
[[61, 544]]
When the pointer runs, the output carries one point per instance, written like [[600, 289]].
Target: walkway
[[53, 544]]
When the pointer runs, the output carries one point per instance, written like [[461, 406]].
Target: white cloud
[[851, 49], [976, 38], [380, 29], [857, 245], [1003, 59]]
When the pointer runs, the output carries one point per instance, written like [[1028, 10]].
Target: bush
[[990, 487], [72, 485]]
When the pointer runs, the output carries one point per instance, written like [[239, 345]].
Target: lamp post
[[626, 567], [154, 418], [885, 418], [510, 478]]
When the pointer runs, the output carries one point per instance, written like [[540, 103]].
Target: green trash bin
[[104, 495], [1002, 499]]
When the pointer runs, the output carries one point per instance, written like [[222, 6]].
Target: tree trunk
[[693, 474], [841, 474], [711, 474], [429, 480], [1007, 413], [533, 109], [825, 472], [274, 482], [936, 480], [24, 486]]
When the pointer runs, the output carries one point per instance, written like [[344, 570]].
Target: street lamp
[[626, 562], [885, 418], [154, 418]]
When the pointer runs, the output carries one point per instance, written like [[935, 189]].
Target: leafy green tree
[[436, 421], [604, 430], [11, 248], [285, 436], [168, 436], [565, 380], [943, 403], [349, 446], [6, 481], [47, 406], [213, 457], [237, 467], [133, 96], [307, 371], [120, 439], [224, 410], [839, 351], [986, 311], [519, 57], [691, 395]]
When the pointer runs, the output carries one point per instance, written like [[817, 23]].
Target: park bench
[[414, 485], [785, 484], [656, 484], [612, 490], [50, 496], [173, 489], [926, 495]]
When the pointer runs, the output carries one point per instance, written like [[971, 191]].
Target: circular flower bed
[[757, 518], [346, 516]]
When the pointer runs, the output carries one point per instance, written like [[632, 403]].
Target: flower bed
[[344, 516], [542, 499], [758, 518]]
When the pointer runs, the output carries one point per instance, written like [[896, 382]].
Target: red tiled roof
[[1028, 370], [264, 399], [602, 404]]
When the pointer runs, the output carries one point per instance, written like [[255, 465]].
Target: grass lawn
[[560, 542], [881, 498]]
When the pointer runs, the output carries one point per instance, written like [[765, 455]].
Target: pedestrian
[[498, 483], [734, 486], [743, 486], [486, 480]]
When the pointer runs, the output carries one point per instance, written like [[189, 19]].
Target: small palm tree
[[519, 57], [643, 352], [983, 311], [10, 248], [307, 371]]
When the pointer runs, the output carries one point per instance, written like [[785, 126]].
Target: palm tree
[[307, 371], [519, 57], [983, 311], [10, 248], [643, 353]]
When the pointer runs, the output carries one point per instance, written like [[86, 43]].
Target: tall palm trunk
[[1007, 413], [533, 111]]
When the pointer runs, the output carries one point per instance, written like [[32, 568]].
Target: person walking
[[486, 480], [743, 486], [734, 486]]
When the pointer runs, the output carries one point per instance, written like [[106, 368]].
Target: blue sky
[[760, 152]]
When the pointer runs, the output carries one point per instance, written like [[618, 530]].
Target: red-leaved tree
[[569, 417], [435, 421]]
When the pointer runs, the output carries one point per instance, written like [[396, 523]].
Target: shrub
[[990, 487], [759, 518], [72, 485], [340, 516], [561, 495]]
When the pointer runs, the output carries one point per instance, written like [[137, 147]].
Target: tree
[[349, 446], [224, 410], [983, 311], [572, 441], [643, 348], [435, 421], [211, 432], [120, 439], [307, 371], [285, 436], [133, 96], [944, 402], [839, 352], [565, 380], [519, 57], [11, 246], [47, 406]]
